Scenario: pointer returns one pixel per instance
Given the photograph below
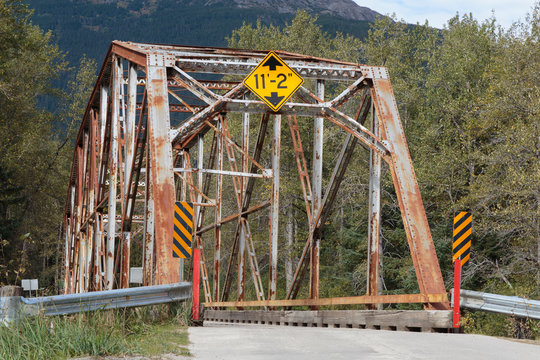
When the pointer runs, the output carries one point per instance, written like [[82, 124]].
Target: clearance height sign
[[273, 81]]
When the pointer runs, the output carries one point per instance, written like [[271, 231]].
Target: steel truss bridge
[[155, 105]]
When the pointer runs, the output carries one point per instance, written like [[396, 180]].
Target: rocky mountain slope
[[347, 9], [88, 26]]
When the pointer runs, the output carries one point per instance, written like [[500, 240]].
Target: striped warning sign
[[183, 229], [461, 247]]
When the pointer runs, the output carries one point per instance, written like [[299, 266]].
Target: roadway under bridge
[[176, 123]]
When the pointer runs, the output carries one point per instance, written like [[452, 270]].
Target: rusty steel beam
[[135, 169], [194, 124], [261, 135], [340, 168], [127, 200], [136, 56], [309, 68], [203, 184], [205, 189], [374, 215], [217, 228], [93, 178], [112, 150], [113, 174], [274, 209], [301, 165], [428, 272], [318, 139], [148, 231], [162, 177]]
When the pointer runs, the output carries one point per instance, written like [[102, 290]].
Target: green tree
[[468, 96], [506, 190], [34, 161]]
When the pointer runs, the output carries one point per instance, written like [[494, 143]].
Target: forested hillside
[[36, 145], [469, 99], [88, 27]]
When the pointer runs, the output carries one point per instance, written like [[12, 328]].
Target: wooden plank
[[394, 320], [366, 299]]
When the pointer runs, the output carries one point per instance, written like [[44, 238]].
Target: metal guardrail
[[12, 307], [502, 304]]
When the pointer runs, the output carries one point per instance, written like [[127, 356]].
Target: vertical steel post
[[103, 143], [195, 283], [162, 176], [198, 218], [183, 184], [374, 218], [200, 165], [318, 134], [67, 235], [113, 170], [129, 128], [242, 237], [274, 209], [71, 245], [148, 249], [130, 122], [121, 151], [79, 238], [219, 189], [98, 273], [84, 207], [125, 263], [93, 177], [181, 270], [103, 107]]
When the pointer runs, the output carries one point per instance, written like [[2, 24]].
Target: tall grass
[[96, 333]]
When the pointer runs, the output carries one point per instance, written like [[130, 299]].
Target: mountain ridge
[[87, 27], [346, 9]]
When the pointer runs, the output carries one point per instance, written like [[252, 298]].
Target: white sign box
[[30, 284]]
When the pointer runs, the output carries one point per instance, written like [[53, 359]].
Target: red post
[[195, 285], [457, 290]]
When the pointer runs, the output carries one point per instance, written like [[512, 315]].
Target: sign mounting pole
[[461, 248]]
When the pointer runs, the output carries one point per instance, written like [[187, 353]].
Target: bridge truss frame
[[131, 162]]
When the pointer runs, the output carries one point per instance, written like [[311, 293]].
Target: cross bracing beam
[[131, 163]]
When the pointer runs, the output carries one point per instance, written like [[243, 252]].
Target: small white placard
[[30, 284], [135, 275]]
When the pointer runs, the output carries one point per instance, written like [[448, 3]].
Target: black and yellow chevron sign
[[183, 229], [461, 247]]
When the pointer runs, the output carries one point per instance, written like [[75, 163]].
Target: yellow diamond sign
[[273, 81]]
